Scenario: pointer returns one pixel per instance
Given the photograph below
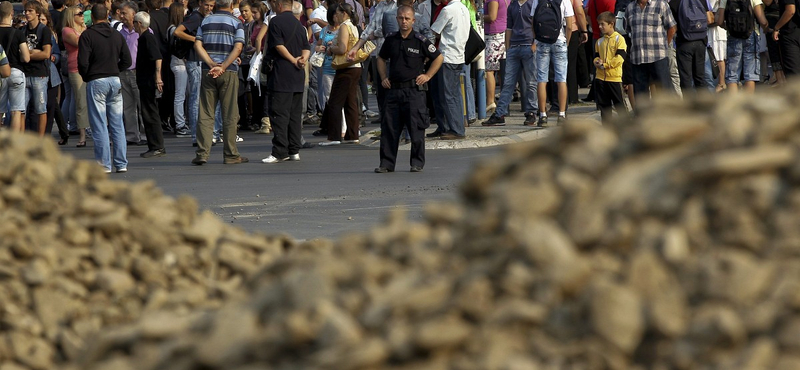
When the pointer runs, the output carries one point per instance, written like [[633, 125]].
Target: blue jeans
[[556, 54], [178, 68], [743, 59], [519, 59], [68, 106], [104, 101], [469, 92], [448, 102], [36, 90], [711, 83], [194, 75]]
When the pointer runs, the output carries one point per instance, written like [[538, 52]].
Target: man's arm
[[180, 33], [671, 33], [720, 17], [788, 13], [570, 21], [382, 73], [762, 20], [24, 53], [425, 77], [580, 17], [202, 54], [84, 50], [125, 59], [41, 54]]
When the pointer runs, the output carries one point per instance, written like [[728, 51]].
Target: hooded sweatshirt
[[98, 48]]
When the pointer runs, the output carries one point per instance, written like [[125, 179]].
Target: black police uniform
[[405, 101]]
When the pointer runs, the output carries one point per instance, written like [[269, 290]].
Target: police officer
[[406, 83]]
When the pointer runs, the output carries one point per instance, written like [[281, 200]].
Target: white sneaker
[[272, 159], [122, 170], [239, 139], [350, 141], [370, 114], [294, 157], [329, 143]]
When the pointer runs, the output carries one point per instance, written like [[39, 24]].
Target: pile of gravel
[[79, 252], [671, 242]]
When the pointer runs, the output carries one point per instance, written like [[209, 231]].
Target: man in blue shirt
[[218, 43]]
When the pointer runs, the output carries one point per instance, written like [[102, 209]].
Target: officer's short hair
[[406, 8]]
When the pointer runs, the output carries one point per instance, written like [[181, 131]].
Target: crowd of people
[[205, 69]]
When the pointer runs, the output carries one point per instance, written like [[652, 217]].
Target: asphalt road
[[330, 191]]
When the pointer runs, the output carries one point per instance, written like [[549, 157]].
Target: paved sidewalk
[[484, 136]]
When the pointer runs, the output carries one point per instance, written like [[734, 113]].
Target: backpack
[[739, 19], [692, 20], [177, 46], [547, 21], [620, 22]]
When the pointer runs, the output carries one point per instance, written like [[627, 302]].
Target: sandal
[[81, 144], [63, 141]]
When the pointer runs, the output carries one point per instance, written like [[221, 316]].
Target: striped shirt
[[648, 30], [218, 33]]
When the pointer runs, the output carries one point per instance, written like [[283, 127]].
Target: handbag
[[475, 46], [365, 51], [317, 59], [340, 60]]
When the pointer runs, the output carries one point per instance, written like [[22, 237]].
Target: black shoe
[[416, 169], [494, 120], [153, 153], [561, 120], [434, 134], [530, 119], [308, 145], [320, 133], [449, 136], [472, 121], [310, 121], [515, 96], [542, 121], [194, 145], [199, 161], [383, 170]]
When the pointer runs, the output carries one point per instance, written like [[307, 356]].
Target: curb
[[520, 135]]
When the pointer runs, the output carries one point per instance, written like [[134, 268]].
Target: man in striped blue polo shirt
[[218, 43]]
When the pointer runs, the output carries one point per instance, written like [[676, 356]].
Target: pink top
[[72, 51], [499, 24]]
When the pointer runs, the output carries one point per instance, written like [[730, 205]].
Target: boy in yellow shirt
[[610, 52]]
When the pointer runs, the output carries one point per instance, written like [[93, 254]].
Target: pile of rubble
[[668, 242], [79, 252]]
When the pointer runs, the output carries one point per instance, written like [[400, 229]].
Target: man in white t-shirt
[[549, 48], [451, 26]]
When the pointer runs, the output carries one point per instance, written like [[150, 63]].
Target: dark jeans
[[150, 113], [691, 57], [54, 113], [645, 73], [790, 52], [405, 108], [446, 88], [286, 111], [166, 106], [572, 68]]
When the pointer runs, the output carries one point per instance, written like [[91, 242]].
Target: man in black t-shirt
[[37, 71], [787, 33], [287, 46], [12, 89]]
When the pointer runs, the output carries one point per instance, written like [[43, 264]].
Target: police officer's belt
[[404, 85]]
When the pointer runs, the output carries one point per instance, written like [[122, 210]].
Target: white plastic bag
[[255, 69]]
